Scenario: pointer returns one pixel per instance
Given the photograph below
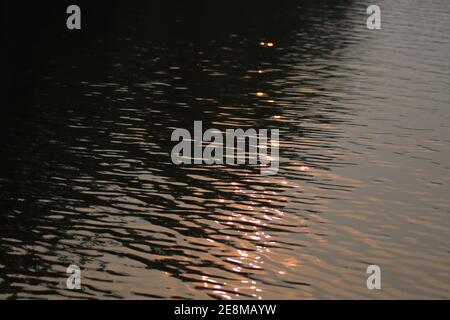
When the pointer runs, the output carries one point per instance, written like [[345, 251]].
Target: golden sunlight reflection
[[266, 44], [248, 223]]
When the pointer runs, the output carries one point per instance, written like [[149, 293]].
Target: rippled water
[[86, 175]]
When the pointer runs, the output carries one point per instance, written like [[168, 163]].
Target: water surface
[[86, 175]]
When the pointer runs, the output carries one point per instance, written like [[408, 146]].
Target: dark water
[[87, 178]]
